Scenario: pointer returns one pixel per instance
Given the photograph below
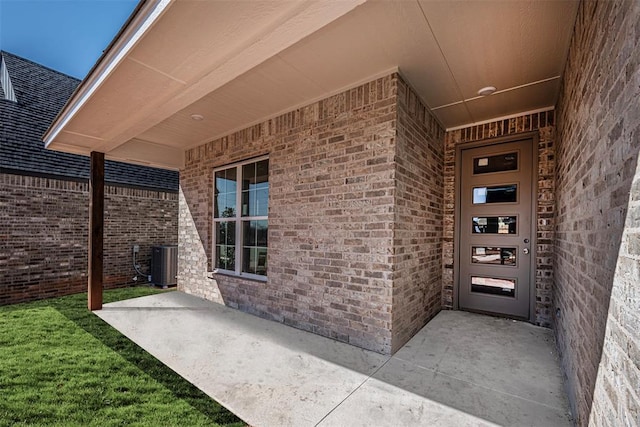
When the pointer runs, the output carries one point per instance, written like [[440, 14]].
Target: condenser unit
[[164, 265]]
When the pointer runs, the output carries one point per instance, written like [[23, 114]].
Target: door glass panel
[[497, 163], [494, 225], [493, 286], [493, 256], [495, 194]]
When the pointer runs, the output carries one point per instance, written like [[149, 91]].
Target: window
[[240, 213], [493, 255], [497, 163], [494, 224], [507, 193]]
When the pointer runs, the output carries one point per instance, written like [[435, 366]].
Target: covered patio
[[330, 155], [461, 369]]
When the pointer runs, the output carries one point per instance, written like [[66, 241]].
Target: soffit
[[237, 65]]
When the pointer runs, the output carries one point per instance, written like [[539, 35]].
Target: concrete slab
[[378, 403], [266, 373], [421, 396], [461, 369], [511, 357]]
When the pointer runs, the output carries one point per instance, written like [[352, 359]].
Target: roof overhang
[[237, 63]]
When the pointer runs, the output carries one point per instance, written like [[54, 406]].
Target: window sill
[[251, 277]]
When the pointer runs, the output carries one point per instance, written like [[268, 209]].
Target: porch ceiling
[[237, 63]]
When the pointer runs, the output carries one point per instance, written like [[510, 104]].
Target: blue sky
[[66, 35]]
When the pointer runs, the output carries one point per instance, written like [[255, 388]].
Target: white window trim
[[238, 220]]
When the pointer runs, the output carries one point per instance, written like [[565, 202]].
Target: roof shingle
[[41, 93]]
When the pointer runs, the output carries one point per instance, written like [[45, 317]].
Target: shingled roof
[[41, 93]]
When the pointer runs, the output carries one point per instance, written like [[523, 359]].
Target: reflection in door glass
[[494, 225], [497, 163], [495, 194], [493, 286], [493, 256]]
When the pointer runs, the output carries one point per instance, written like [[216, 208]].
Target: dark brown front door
[[494, 249]]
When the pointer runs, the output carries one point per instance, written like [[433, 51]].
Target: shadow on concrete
[[493, 371]]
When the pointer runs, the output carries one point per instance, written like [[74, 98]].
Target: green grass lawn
[[62, 365]]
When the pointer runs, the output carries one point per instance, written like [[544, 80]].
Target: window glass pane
[[226, 181], [248, 176], [494, 225], [225, 193], [495, 194], [249, 233], [255, 189], [254, 233], [225, 206], [261, 233], [225, 233], [246, 200], [497, 163], [226, 257], [261, 267], [262, 174], [493, 256], [255, 202], [254, 249], [254, 261], [493, 286]]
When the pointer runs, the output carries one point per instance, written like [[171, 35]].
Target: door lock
[[526, 251]]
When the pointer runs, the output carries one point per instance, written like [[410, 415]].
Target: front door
[[495, 229]]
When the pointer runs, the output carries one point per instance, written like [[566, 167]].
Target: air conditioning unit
[[164, 265]]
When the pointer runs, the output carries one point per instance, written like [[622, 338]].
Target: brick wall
[[417, 276], [331, 217], [135, 216], [43, 234], [597, 263], [543, 123]]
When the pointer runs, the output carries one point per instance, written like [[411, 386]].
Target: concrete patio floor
[[461, 369]]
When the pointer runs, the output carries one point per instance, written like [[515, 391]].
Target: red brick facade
[[43, 234]]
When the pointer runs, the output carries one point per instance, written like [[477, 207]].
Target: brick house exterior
[[367, 182], [362, 207], [348, 184], [342, 224], [44, 198]]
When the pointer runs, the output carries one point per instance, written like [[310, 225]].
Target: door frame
[[534, 137]]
